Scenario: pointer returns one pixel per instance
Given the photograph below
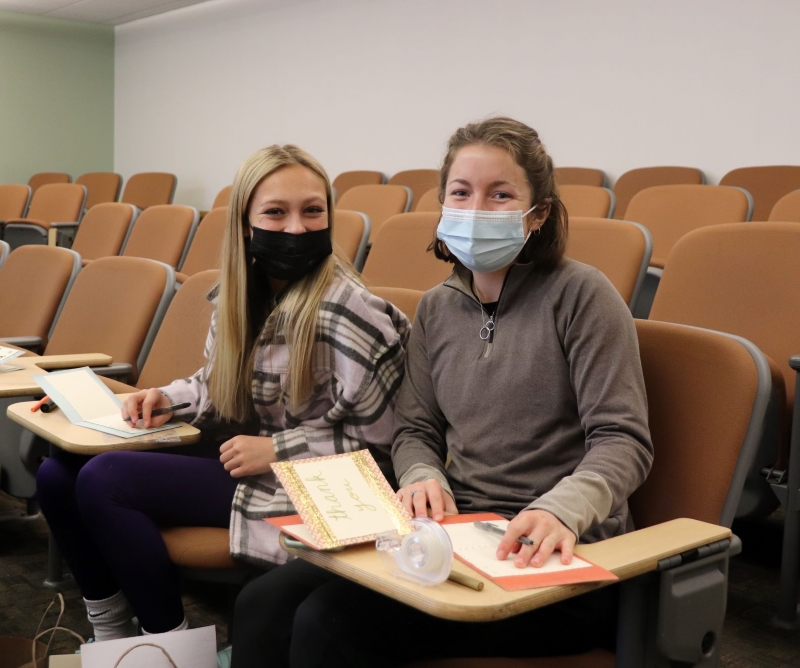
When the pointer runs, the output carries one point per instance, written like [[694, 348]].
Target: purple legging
[[105, 513]]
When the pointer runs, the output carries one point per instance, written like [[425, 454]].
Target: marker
[[493, 528], [162, 411], [48, 406]]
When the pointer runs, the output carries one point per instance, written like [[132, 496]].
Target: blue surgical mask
[[483, 241]]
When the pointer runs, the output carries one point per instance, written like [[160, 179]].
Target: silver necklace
[[488, 326]]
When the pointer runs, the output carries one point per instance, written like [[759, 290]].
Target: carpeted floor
[[748, 639]]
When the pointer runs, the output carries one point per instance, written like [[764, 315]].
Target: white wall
[[379, 84]]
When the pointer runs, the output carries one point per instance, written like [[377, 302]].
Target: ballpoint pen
[[161, 411], [493, 528]]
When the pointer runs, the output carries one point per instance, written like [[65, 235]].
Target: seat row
[[142, 190]]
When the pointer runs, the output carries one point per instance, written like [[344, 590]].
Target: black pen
[[161, 411], [493, 528]]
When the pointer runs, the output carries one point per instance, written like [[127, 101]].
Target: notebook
[[6, 355], [87, 402]]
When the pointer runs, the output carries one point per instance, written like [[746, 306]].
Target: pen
[[41, 403], [466, 580], [161, 411], [493, 528]]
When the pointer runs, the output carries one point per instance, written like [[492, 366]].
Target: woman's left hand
[[248, 455], [547, 533]]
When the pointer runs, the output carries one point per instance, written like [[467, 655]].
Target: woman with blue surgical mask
[[523, 367]]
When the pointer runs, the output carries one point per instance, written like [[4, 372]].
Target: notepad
[[342, 500], [478, 550], [7, 354], [87, 402]]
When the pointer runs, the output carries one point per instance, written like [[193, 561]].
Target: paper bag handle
[[145, 644], [52, 630]]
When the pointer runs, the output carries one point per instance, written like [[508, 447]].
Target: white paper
[[344, 497], [7, 354], [193, 648], [479, 549]]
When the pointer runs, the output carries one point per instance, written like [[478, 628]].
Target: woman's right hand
[[418, 496], [142, 403]]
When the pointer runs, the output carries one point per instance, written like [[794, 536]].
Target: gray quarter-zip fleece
[[549, 413]]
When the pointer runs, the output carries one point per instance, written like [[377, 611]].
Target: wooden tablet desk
[[55, 428], [627, 556], [19, 383]]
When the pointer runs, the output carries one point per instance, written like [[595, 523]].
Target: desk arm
[[49, 362], [116, 370], [32, 343]]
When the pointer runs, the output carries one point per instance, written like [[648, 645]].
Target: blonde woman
[[302, 361]]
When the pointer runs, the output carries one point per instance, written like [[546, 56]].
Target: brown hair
[[547, 246]]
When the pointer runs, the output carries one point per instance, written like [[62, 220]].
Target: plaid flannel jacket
[[358, 367]]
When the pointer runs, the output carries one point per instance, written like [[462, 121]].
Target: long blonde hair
[[231, 374]]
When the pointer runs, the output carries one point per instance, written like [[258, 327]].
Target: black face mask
[[288, 257]]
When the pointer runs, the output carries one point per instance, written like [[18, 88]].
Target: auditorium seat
[[163, 232], [429, 201], [101, 187], [14, 200], [346, 180], [580, 176], [351, 234], [51, 203], [404, 299], [399, 257], [767, 184], [587, 201], [744, 280], [223, 197], [419, 180], [204, 252], [103, 230], [148, 189], [618, 248], [43, 178], [787, 208], [634, 180], [708, 399], [378, 202]]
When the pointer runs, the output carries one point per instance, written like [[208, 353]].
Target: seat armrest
[[28, 221], [32, 343], [116, 370], [64, 226], [794, 362]]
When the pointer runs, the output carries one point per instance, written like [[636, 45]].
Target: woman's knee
[[55, 483], [99, 481]]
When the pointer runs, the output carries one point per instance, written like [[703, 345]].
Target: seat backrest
[[351, 233], [103, 230], [670, 212], [361, 177], [377, 202], [43, 178], [102, 187], [34, 280], [177, 350], [404, 299], [115, 307], [419, 180], [149, 189], [162, 232], [580, 176], [205, 249], [631, 182], [708, 396], [786, 209], [621, 250], [739, 279], [399, 257], [58, 203], [14, 199], [223, 197], [767, 184], [587, 201], [429, 201]]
